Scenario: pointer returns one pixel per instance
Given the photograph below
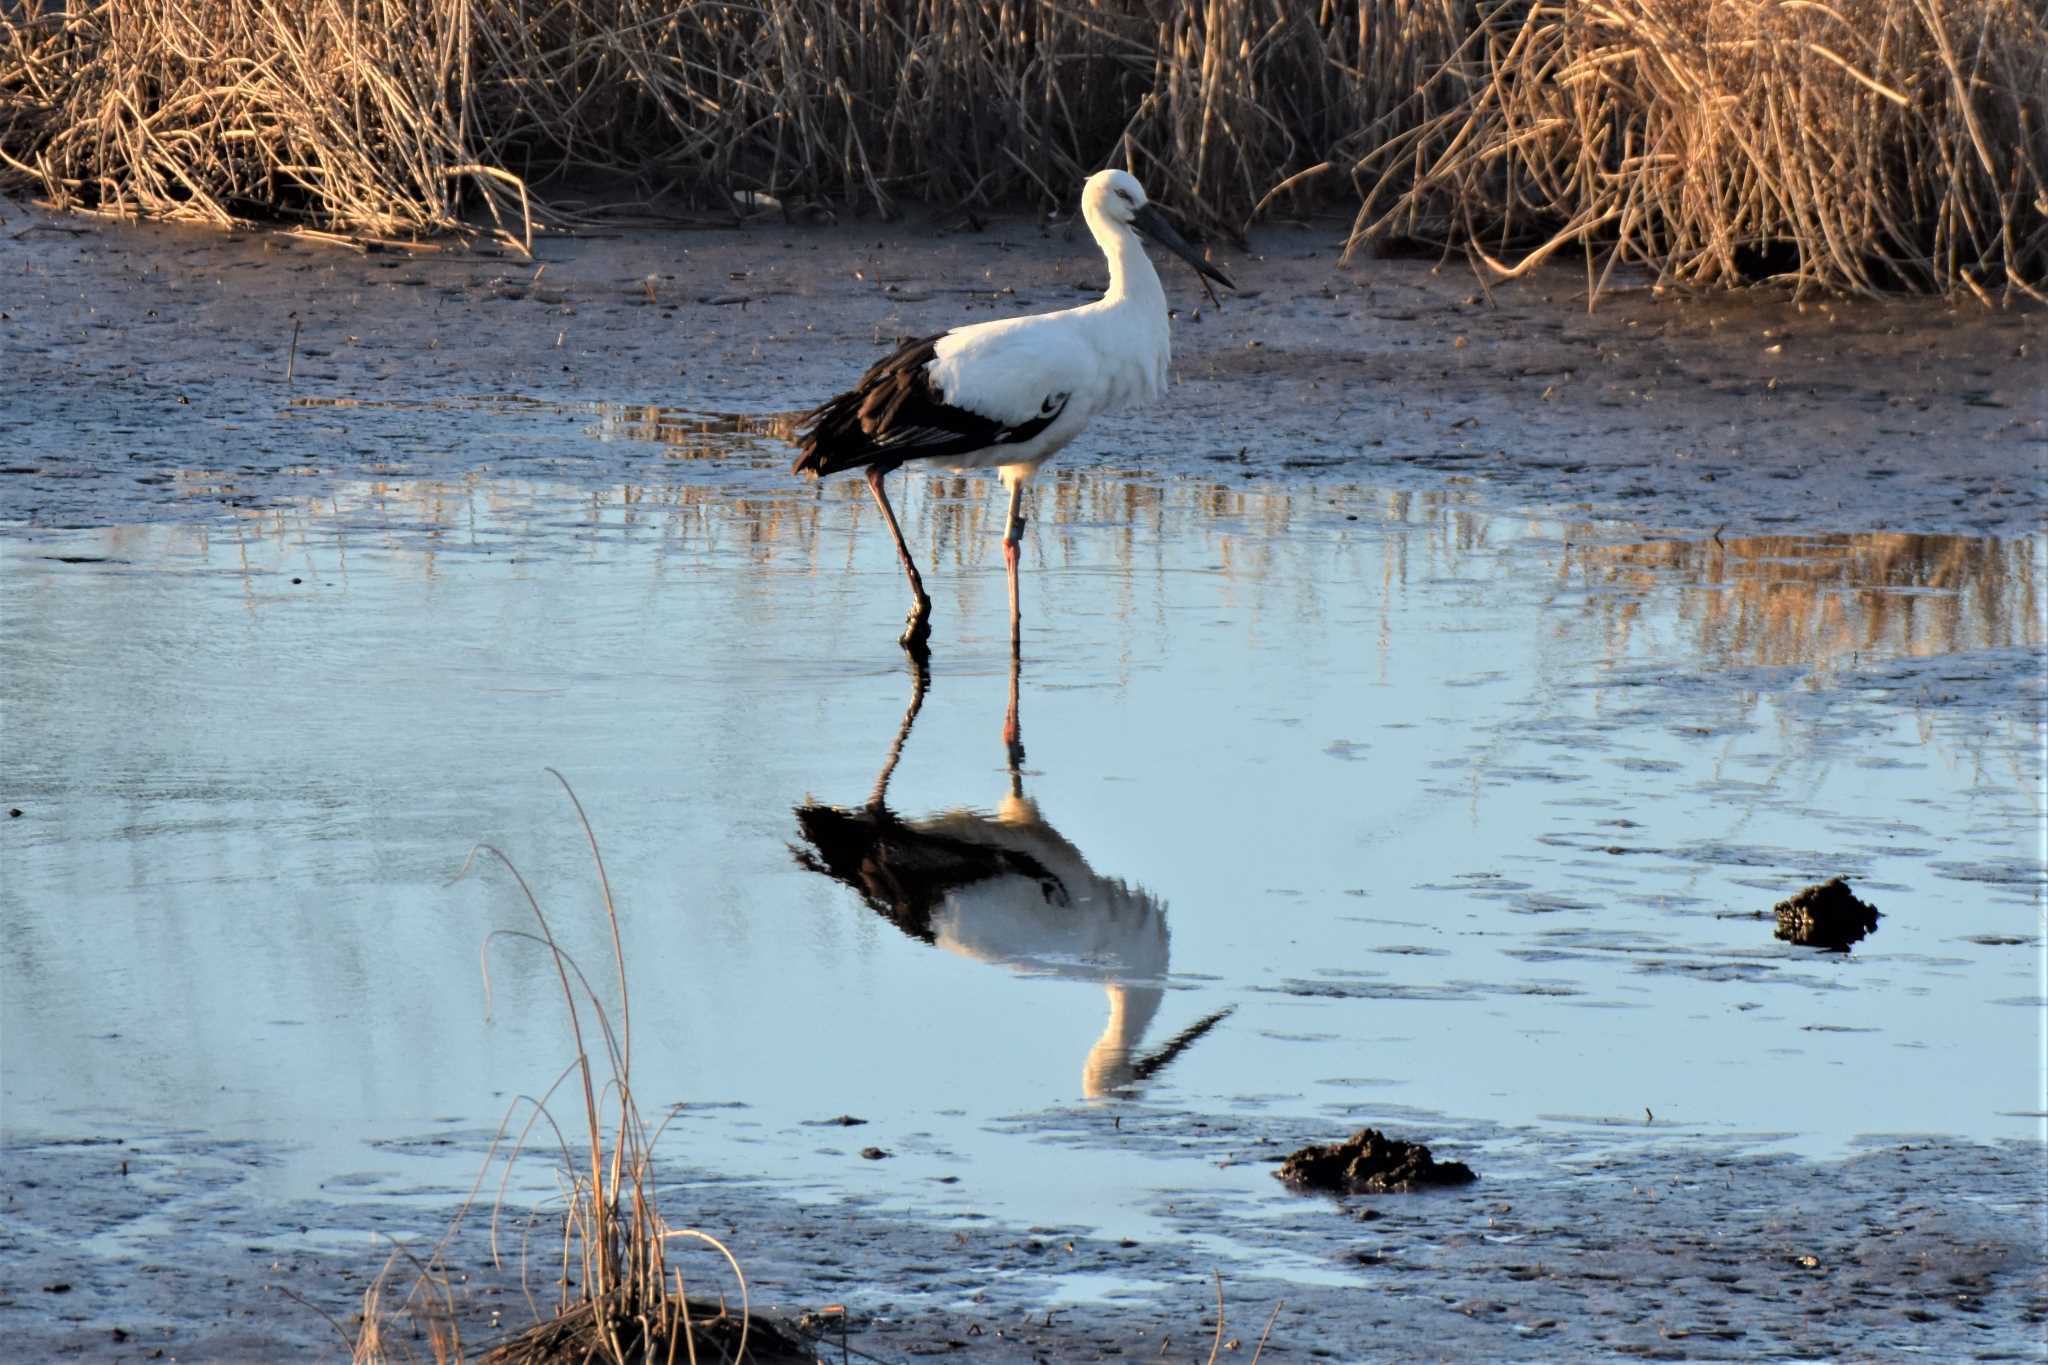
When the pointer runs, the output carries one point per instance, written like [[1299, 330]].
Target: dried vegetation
[[1865, 145], [620, 1299], [1861, 145]]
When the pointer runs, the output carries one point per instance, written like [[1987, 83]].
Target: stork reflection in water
[[1009, 890]]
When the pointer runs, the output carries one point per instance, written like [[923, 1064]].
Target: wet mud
[[1825, 915], [717, 1334], [1592, 1250], [1370, 1162], [131, 348]]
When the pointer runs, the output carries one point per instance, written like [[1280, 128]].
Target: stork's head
[[1115, 196], [1115, 199]]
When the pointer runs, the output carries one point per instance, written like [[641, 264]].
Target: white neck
[[1131, 276]]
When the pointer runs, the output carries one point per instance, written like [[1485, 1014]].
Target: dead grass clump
[[1863, 145], [620, 1301], [343, 113]]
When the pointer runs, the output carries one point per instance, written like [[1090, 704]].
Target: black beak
[[1150, 221]]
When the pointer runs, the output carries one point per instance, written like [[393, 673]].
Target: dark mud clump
[[715, 1335], [1370, 1162], [1826, 915]]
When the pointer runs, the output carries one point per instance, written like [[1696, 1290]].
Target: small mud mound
[[1370, 1162], [574, 1338], [1826, 915]]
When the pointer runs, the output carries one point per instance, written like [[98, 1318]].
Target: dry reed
[[380, 116], [1860, 146], [1868, 144], [621, 1301]]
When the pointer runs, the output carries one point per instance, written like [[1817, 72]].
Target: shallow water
[[1462, 820]]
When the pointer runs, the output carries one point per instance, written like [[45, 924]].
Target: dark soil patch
[[1826, 915], [1370, 1162], [716, 1336]]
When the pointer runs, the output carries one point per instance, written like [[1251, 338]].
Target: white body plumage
[[1109, 354]]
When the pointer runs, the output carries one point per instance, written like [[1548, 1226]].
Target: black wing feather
[[903, 873], [894, 414]]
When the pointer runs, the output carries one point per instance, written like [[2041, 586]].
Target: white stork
[[1009, 393]]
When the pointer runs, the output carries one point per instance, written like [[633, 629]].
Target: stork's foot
[[917, 627]]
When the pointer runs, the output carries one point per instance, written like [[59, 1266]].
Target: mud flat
[[130, 348], [1589, 1250]]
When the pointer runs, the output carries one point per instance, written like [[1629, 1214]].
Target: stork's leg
[[917, 627], [1011, 539], [1013, 738], [920, 683]]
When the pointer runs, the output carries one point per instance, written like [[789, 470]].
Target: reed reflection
[[1815, 600], [1007, 889]]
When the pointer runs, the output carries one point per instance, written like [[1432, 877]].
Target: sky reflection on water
[[1454, 811]]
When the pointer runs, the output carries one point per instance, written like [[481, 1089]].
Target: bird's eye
[[1124, 195]]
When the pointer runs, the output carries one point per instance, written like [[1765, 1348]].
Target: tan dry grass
[[349, 113], [1860, 144], [380, 116], [621, 1302]]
